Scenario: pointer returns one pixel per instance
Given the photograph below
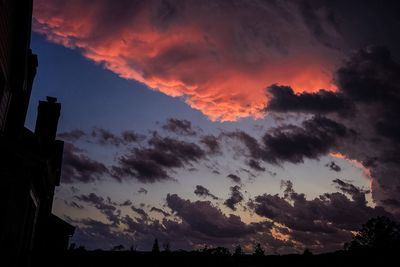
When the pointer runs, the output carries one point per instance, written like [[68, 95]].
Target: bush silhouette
[[380, 233]]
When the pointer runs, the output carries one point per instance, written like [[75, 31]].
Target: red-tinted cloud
[[218, 55]]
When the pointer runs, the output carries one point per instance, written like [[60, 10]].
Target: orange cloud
[[219, 56]]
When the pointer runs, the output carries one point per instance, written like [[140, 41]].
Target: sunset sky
[[221, 123]]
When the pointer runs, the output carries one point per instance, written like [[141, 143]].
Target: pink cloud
[[219, 56]]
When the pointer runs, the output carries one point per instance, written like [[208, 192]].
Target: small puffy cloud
[[180, 127], [77, 167], [235, 198], [204, 192], [234, 178]]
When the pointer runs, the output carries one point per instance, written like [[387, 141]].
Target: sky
[[218, 123]]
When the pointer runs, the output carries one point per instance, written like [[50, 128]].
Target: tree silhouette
[[238, 251], [380, 233], [155, 248], [307, 252], [258, 251], [133, 248], [167, 247]]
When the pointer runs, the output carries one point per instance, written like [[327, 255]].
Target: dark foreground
[[193, 259]]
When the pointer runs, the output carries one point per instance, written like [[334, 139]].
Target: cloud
[[142, 191], [212, 143], [218, 56], [181, 127], [234, 178], [77, 167], [104, 137], [204, 192], [152, 163], [235, 197], [108, 209], [73, 204], [323, 223], [314, 139], [205, 219], [191, 225], [141, 212], [95, 234], [290, 143], [126, 203], [163, 212], [131, 137], [284, 99], [369, 81], [357, 194], [72, 135], [255, 165], [333, 166]]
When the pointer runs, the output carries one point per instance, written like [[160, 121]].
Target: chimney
[[46, 123]]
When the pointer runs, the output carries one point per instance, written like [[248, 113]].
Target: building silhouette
[[30, 162]]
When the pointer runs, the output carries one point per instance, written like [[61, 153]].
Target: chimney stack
[[46, 123]]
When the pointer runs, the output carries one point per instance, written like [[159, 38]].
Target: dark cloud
[[94, 234], [72, 135], [106, 207], [315, 138], [142, 191], [141, 212], [283, 99], [370, 81], [126, 203], [204, 192], [289, 143], [131, 137], [163, 212], [212, 143], [357, 194], [370, 76], [92, 198], [234, 178], [73, 204], [255, 165], [77, 167], [193, 224], [250, 174], [180, 127], [321, 223], [254, 148], [151, 164], [104, 137], [204, 218], [333, 166], [235, 197]]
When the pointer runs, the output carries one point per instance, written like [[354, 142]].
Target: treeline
[[376, 244]]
